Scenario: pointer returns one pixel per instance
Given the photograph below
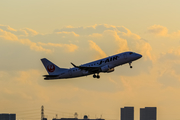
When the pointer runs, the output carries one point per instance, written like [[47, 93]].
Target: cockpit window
[[131, 53]]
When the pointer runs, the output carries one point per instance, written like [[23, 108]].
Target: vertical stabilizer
[[51, 68]]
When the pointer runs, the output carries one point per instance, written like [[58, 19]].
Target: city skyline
[[126, 113], [82, 31]]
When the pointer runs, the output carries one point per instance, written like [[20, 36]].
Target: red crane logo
[[51, 68]]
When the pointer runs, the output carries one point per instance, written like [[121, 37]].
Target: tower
[[42, 112]]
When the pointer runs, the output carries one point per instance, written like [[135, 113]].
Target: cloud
[[21, 87], [175, 51], [126, 40], [171, 54], [104, 39], [145, 49], [158, 30], [135, 43], [68, 47], [94, 46], [34, 46], [68, 33], [117, 38], [96, 35], [36, 91], [30, 32], [129, 34], [162, 31], [122, 43], [113, 81], [175, 35], [7, 28], [21, 71], [170, 63], [21, 32], [7, 35], [100, 28]]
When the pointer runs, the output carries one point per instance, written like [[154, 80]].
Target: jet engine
[[107, 69], [110, 70]]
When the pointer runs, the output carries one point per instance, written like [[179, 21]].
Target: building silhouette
[[127, 113], [85, 118], [6, 116], [148, 113]]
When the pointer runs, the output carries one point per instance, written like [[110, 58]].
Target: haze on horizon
[[81, 31]]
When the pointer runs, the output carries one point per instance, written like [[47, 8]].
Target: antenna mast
[[42, 112]]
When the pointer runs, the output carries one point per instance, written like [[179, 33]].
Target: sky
[[81, 31]]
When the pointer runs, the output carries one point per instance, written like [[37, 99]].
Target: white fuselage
[[111, 62]]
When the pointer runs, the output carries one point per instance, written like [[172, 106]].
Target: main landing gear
[[96, 76], [130, 64]]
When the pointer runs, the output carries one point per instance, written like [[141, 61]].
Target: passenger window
[[130, 53]]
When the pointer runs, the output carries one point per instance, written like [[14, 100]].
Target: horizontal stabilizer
[[50, 76]]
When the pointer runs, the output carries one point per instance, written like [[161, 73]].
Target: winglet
[[74, 65]]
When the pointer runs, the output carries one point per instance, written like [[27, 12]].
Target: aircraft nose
[[140, 56]]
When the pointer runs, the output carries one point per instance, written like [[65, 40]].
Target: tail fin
[[51, 68]]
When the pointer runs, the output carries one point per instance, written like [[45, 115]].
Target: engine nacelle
[[110, 70], [107, 69]]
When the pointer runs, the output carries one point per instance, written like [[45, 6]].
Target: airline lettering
[[109, 59]]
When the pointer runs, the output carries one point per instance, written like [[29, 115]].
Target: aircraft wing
[[90, 69]]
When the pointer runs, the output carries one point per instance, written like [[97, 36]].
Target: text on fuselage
[[108, 59]]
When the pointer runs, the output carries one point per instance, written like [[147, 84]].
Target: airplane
[[105, 65]]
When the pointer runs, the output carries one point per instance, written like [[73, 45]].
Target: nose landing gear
[[96, 76], [130, 64]]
